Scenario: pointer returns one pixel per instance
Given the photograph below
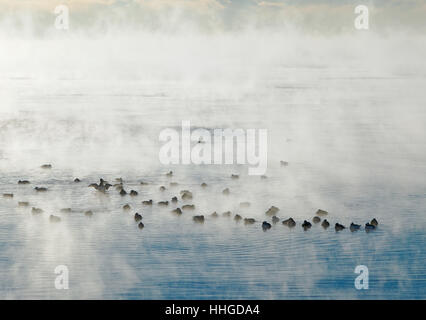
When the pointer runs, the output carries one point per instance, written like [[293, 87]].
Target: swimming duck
[[174, 199], [226, 191], [316, 219], [147, 202], [46, 166], [238, 217], [306, 225], [126, 207], [289, 222], [188, 207], [133, 193], [198, 219], [249, 220], [138, 217], [374, 222], [354, 227], [66, 210], [321, 212], [339, 227], [203, 185], [141, 225], [275, 219], [177, 211], [23, 182], [163, 203], [325, 224], [23, 203], [76, 180], [40, 189], [186, 195], [123, 192], [36, 210], [266, 225], [53, 218], [169, 174], [8, 195], [226, 214], [283, 163], [272, 211], [162, 188], [369, 227], [144, 183], [88, 213], [234, 176], [214, 215]]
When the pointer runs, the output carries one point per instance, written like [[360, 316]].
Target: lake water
[[353, 133]]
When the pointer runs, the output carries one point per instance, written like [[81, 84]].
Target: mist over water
[[345, 110]]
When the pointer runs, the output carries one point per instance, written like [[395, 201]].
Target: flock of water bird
[[186, 195]]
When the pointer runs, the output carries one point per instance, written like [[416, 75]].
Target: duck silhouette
[[238, 218], [266, 225], [289, 223], [272, 211], [198, 219], [325, 224], [249, 221], [147, 202], [133, 193], [369, 227], [53, 218], [339, 227], [374, 222], [275, 219], [23, 182], [141, 225], [177, 211], [306, 225], [40, 189], [138, 217], [354, 227], [316, 219]]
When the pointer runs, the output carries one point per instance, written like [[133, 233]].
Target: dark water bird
[[203, 185], [177, 211], [77, 180], [234, 176], [325, 224], [289, 223], [283, 163], [23, 203], [133, 193], [66, 210], [35, 210], [245, 204], [163, 203], [46, 166], [53, 218], [272, 211], [188, 207], [144, 183], [316, 219], [40, 189], [174, 199], [249, 220], [321, 212], [186, 195], [369, 227], [374, 222], [88, 213], [354, 227], [226, 191], [238, 218], [147, 202], [8, 195], [123, 192], [23, 182], [174, 184], [162, 188], [266, 225], [339, 227], [141, 225], [198, 219], [214, 215], [126, 207], [138, 217], [102, 186], [226, 214], [306, 225], [169, 174], [275, 219]]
